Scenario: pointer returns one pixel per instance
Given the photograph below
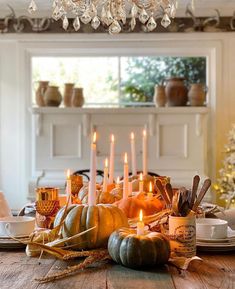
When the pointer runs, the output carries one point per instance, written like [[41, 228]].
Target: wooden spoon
[[163, 193], [196, 181], [175, 202], [204, 189]]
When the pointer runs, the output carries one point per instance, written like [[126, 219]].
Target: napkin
[[5, 210]]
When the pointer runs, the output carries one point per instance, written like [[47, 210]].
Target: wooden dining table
[[17, 271]]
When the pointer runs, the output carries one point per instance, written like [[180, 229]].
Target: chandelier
[[112, 14]]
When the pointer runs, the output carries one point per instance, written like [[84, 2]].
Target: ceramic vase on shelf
[[68, 92], [197, 94], [77, 98], [176, 91], [40, 92], [160, 96], [52, 96]]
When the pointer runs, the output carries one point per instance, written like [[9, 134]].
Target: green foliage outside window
[[141, 74]]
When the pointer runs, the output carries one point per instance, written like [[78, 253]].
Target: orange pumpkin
[[132, 205]]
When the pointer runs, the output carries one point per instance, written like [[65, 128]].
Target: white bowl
[[16, 226]]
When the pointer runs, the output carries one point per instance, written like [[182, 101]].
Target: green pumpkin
[[105, 217], [136, 251]]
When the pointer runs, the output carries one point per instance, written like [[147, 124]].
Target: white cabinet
[[177, 140]]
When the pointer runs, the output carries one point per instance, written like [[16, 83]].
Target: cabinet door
[[179, 144], [59, 145]]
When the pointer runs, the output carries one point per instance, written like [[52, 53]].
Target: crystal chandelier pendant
[[57, 13], [65, 22], [151, 24], [86, 18], [115, 27], [143, 16], [133, 23], [165, 21], [76, 23], [95, 23], [32, 7], [173, 11], [134, 10]]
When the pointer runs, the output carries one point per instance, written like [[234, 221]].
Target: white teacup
[[16, 226], [211, 228]]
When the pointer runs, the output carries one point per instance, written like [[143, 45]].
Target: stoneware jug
[[176, 91], [68, 92], [77, 98], [197, 94], [160, 95], [52, 96], [40, 92]]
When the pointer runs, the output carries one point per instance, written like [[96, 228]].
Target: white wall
[[15, 99]]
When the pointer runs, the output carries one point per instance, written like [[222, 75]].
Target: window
[[117, 80]]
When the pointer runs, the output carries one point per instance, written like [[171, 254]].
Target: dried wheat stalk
[[98, 256]]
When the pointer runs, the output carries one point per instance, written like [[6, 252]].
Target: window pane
[[139, 75], [97, 75]]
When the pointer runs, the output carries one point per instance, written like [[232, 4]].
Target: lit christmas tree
[[225, 186]]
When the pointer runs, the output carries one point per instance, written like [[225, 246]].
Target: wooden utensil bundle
[[183, 201]]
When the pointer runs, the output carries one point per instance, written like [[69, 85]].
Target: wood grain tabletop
[[17, 271]]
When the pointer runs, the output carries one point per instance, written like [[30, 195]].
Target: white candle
[[141, 183], [111, 160], [145, 153], [92, 183], [68, 187], [106, 172], [117, 186], [130, 188], [150, 193], [125, 181], [140, 224], [133, 155]]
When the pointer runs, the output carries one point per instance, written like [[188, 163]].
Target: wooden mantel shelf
[[120, 110]]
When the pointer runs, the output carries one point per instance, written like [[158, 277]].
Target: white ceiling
[[203, 7]]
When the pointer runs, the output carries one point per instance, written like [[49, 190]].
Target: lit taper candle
[[106, 172], [150, 193], [111, 159], [141, 183], [92, 183], [133, 155], [68, 187], [125, 181], [140, 224], [145, 153]]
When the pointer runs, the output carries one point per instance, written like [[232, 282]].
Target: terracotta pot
[[52, 96], [160, 95], [176, 92], [68, 92], [197, 94], [77, 98], [40, 92]]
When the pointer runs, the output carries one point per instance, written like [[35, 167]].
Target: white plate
[[8, 243]]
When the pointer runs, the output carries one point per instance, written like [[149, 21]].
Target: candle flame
[[106, 163], [112, 138], [141, 216], [68, 173], [150, 187], [94, 137], [118, 180], [144, 133], [132, 136], [141, 177], [125, 158]]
